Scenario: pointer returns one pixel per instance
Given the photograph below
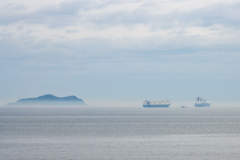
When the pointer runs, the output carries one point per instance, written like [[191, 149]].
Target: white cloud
[[108, 13], [132, 37]]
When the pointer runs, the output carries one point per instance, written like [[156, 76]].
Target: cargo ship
[[156, 104], [200, 102]]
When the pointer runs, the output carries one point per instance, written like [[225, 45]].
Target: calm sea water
[[57, 133]]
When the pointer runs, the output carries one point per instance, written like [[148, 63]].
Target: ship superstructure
[[201, 102], [153, 104]]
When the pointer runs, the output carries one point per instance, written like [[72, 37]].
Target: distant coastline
[[50, 99]]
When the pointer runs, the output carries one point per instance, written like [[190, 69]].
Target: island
[[50, 99]]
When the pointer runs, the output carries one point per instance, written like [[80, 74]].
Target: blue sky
[[125, 51]]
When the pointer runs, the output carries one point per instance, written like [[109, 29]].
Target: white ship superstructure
[[152, 104], [201, 102]]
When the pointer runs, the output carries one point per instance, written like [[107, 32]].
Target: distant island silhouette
[[50, 99]]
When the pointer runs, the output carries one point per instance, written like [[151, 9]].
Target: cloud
[[124, 13], [121, 37], [185, 57], [225, 14], [71, 31]]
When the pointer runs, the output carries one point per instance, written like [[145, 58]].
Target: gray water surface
[[60, 133]]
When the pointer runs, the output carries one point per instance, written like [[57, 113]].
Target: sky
[[120, 51]]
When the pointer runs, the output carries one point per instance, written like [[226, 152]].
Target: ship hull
[[202, 105], [157, 106]]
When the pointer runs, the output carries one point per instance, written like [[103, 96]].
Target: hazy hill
[[50, 99]]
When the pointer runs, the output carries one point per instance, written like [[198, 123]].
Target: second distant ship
[[156, 104], [201, 102]]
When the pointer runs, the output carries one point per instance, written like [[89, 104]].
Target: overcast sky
[[120, 50]]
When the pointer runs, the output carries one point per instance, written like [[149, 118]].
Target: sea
[[119, 133]]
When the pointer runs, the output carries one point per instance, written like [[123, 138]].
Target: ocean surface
[[134, 133]]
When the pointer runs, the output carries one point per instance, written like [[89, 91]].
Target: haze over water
[[59, 133]]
